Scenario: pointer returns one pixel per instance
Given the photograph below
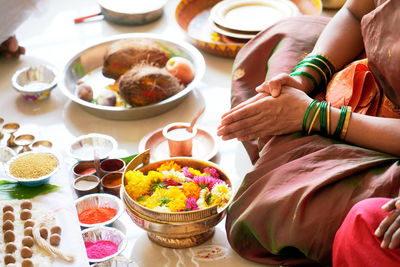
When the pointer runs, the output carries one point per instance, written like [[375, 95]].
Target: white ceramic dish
[[85, 146], [251, 15]]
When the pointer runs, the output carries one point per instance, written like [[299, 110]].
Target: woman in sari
[[289, 208]]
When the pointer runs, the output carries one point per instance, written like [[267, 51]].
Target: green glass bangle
[[305, 119], [322, 118], [321, 64], [305, 74], [339, 127], [322, 75], [327, 61]]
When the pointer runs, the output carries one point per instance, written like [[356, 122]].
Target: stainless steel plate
[[90, 61]]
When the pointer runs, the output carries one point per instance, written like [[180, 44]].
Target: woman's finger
[[237, 128], [390, 205], [387, 227], [245, 103], [395, 241]]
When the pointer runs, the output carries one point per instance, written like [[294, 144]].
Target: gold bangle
[[346, 123], [314, 118], [328, 118]]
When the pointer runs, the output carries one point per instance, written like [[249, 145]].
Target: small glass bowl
[[99, 200], [112, 234], [35, 82]]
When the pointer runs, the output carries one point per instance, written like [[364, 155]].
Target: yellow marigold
[[155, 176], [221, 193], [169, 165], [178, 199], [137, 184], [173, 198], [192, 190]]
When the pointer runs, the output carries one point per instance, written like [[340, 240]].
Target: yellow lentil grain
[[33, 165]]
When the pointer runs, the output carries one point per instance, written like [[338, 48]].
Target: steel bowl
[[35, 82], [132, 12], [90, 61], [84, 147], [174, 229], [32, 182], [98, 233]]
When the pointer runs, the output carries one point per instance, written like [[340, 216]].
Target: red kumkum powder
[[100, 249], [96, 215]]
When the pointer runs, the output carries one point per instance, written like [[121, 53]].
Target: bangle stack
[[321, 64], [323, 110]]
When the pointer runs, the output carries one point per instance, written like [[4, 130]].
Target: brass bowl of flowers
[[178, 201]]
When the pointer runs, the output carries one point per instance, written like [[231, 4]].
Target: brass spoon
[[11, 128], [190, 128], [24, 140]]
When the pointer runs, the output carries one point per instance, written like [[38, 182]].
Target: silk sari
[[289, 207]]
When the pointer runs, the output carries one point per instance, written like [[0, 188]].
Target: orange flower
[[192, 190], [169, 165]]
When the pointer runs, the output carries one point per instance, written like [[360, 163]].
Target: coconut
[[146, 84], [122, 55]]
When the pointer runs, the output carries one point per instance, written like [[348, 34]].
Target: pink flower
[[187, 173], [211, 171], [205, 181], [191, 204]]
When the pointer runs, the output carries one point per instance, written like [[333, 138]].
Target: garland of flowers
[[173, 188]]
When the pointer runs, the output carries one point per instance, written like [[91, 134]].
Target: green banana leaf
[[14, 190]]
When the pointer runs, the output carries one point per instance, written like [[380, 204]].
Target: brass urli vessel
[[173, 229]]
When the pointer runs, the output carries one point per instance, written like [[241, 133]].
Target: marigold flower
[[191, 190], [169, 165], [172, 198], [137, 184]]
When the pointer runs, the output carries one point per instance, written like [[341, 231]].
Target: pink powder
[[100, 249]]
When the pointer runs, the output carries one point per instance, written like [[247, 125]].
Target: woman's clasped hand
[[264, 115]]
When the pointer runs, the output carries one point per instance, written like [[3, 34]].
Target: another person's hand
[[10, 48], [274, 86], [389, 228], [263, 115]]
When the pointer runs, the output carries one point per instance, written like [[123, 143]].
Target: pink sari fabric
[[355, 243], [290, 206]]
